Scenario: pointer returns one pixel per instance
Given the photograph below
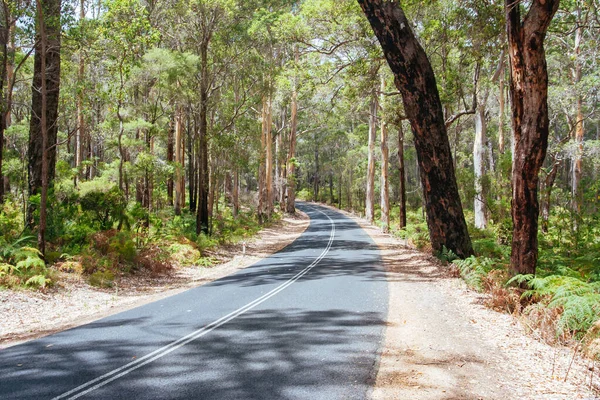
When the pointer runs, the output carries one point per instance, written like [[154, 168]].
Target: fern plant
[[578, 301], [474, 269]]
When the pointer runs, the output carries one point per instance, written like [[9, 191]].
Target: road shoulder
[[441, 342]]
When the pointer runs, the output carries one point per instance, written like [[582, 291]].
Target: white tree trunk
[[479, 165]]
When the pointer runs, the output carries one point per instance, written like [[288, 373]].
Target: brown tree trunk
[[44, 101], [370, 191], [501, 139], [4, 39], [529, 101], [236, 192], [80, 133], [291, 162], [269, 159], [262, 167], [402, 174], [548, 186], [170, 158], [415, 79], [385, 154], [179, 161], [203, 177], [43, 47], [191, 167]]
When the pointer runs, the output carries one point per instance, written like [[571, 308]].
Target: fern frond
[[38, 280]]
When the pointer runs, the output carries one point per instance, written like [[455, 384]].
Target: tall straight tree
[[415, 79], [370, 190], [385, 186], [44, 103], [529, 102]]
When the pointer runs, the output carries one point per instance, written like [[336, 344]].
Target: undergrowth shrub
[[102, 279], [154, 259], [24, 267], [576, 301], [184, 254], [502, 298], [474, 269]]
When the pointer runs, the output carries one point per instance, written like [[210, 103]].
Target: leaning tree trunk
[[50, 78], [415, 80], [529, 101], [370, 191]]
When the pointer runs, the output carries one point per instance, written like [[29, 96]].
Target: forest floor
[[26, 314], [442, 342]]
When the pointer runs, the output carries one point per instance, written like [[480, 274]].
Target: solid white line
[[163, 351]]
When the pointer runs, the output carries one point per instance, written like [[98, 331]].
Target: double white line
[[163, 351]]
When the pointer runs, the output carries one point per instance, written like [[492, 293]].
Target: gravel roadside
[[441, 342]]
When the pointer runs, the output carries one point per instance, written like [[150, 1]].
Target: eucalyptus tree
[[416, 81], [529, 103], [43, 127], [126, 34]]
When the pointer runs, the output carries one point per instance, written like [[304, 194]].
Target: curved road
[[305, 323]]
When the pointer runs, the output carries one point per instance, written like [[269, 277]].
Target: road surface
[[305, 323]]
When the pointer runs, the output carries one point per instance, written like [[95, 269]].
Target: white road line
[[163, 351]]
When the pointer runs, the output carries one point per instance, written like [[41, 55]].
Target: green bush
[[123, 246], [102, 279], [105, 208]]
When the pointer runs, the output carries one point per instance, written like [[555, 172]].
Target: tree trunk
[[291, 162], [170, 158], [44, 101], [179, 162], [577, 192], [269, 159], [236, 192], [80, 133], [479, 166], [262, 169], [385, 154], [370, 191], [316, 176], [402, 173], [501, 140], [43, 47], [529, 101], [191, 167], [548, 186], [415, 79]]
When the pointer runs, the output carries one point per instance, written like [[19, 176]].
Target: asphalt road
[[305, 323]]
